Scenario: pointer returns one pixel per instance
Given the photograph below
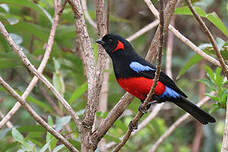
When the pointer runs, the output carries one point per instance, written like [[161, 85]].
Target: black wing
[[165, 80]]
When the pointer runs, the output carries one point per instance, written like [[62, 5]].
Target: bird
[[136, 75]]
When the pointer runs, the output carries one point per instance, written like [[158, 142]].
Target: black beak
[[99, 41]]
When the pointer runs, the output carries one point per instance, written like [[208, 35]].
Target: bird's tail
[[202, 116]]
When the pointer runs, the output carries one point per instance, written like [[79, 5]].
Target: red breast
[[140, 86]]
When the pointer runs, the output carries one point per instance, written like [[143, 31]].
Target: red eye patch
[[119, 46]]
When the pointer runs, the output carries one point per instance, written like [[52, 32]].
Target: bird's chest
[[140, 86]]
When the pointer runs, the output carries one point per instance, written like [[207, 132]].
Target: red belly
[[140, 86]]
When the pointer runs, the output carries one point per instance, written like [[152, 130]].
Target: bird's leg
[[132, 126], [144, 110]]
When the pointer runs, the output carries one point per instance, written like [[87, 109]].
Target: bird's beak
[[99, 41]]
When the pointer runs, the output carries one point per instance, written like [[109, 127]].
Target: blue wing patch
[[170, 93], [137, 67]]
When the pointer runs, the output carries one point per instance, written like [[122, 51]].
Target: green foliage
[[212, 17], [217, 83]]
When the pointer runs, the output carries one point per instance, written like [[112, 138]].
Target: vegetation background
[[29, 23]]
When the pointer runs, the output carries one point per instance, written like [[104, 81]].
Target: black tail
[[195, 111]]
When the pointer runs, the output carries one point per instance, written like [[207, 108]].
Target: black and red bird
[[135, 75]]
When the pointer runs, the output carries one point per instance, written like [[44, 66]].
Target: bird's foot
[[143, 109], [132, 126]]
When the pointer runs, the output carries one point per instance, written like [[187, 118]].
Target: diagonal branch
[[143, 30], [37, 117], [183, 38], [135, 120], [210, 36], [34, 71], [58, 12], [87, 16], [8, 124]]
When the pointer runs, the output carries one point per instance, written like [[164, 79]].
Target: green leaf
[[45, 147], [215, 98], [58, 77], [208, 83], [209, 72], [17, 136], [29, 4], [31, 128], [121, 125], [192, 61], [59, 147], [186, 11], [60, 122], [218, 78], [78, 92], [213, 18], [220, 43], [224, 99]]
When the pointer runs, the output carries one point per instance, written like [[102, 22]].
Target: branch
[[87, 16], [167, 17], [43, 63], [135, 120], [93, 80], [211, 38], [8, 124], [113, 115], [37, 117], [183, 38], [34, 71], [151, 116], [176, 124], [51, 102], [169, 51], [143, 30]]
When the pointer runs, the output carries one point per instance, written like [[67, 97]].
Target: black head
[[115, 45]]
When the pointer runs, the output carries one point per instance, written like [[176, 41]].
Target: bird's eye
[[110, 40]]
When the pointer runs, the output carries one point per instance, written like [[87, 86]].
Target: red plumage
[[140, 86]]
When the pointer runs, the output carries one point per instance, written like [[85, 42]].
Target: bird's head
[[115, 45]]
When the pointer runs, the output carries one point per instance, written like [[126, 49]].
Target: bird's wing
[[148, 71]]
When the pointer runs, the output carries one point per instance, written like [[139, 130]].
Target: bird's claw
[[132, 126], [143, 109]]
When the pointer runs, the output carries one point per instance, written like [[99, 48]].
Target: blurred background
[[29, 23]]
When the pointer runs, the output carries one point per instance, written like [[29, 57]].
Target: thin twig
[[87, 16], [37, 117], [183, 38], [49, 99], [108, 15], [170, 7], [150, 117], [169, 51], [176, 124], [113, 115], [43, 63], [34, 71], [8, 124], [135, 120], [210, 36], [143, 30]]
